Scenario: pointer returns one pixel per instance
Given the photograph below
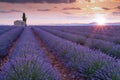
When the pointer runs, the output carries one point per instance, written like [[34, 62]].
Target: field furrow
[[60, 53], [83, 61], [64, 73], [94, 44]]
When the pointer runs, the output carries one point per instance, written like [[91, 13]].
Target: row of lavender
[[104, 46], [93, 65], [7, 39], [104, 30], [114, 37], [4, 29], [28, 61]]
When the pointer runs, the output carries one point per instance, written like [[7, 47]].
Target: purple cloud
[[38, 1], [67, 13], [2, 11], [13, 10], [43, 9], [106, 8], [72, 8], [118, 7], [116, 13], [9, 11], [55, 7]]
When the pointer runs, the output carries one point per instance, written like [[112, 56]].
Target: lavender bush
[[4, 29], [81, 60], [29, 67], [107, 33], [28, 61], [104, 46], [7, 39]]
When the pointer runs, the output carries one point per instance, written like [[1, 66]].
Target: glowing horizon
[[80, 11]]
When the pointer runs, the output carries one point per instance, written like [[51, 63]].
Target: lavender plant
[[86, 32], [7, 39], [4, 29], [104, 46], [29, 67], [81, 60], [28, 61]]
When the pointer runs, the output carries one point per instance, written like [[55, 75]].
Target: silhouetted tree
[[24, 18]]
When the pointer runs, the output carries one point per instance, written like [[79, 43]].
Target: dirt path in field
[[57, 65], [5, 59]]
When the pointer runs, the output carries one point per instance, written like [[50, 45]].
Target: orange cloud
[[117, 0]]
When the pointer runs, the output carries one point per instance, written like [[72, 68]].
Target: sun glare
[[100, 19]]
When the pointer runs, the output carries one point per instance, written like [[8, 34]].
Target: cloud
[[2, 11], [117, 0], [104, 8], [67, 13], [55, 7], [72, 8], [13, 10], [76, 17], [43, 9], [118, 7], [116, 13], [9, 11], [96, 8], [40, 1], [88, 0]]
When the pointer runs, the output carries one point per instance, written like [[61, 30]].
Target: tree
[[24, 18]]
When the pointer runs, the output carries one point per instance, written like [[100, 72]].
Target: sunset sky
[[41, 12]]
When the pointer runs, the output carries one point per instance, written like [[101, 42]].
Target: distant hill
[[94, 23], [114, 23], [85, 24]]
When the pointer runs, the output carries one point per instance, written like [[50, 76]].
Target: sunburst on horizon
[[100, 19]]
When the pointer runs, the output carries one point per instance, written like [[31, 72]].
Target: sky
[[43, 12]]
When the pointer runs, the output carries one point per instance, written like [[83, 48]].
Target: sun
[[100, 19]]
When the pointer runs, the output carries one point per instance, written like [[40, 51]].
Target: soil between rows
[[57, 65], [5, 59]]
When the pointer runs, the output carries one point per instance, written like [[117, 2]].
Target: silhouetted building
[[22, 22], [19, 23]]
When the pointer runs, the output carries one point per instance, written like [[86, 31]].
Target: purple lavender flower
[[29, 67], [28, 61], [81, 60], [104, 46], [7, 39]]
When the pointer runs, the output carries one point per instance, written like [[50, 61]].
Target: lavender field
[[60, 53]]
